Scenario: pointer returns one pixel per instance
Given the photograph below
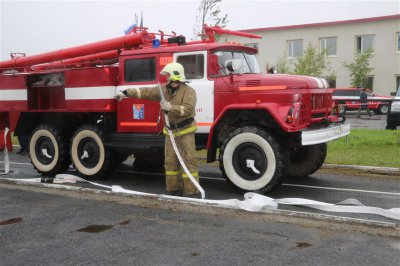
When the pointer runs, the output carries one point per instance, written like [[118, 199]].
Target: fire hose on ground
[[252, 202]]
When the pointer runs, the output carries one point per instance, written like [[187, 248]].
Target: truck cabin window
[[141, 69], [193, 64], [238, 61]]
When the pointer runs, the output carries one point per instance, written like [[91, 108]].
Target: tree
[[283, 65], [359, 68], [209, 12], [311, 63]]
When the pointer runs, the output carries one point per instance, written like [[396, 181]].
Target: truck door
[[195, 64], [138, 115]]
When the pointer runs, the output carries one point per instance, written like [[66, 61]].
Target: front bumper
[[317, 136]]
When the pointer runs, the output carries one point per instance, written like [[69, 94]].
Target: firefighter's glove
[[166, 106], [120, 96]]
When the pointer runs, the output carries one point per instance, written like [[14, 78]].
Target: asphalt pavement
[[374, 122], [41, 226]]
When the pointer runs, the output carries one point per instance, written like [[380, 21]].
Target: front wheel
[[252, 160], [91, 159]]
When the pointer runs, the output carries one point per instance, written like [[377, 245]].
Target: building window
[[398, 42], [370, 83], [328, 45], [294, 48], [193, 64], [364, 43], [397, 83], [141, 69]]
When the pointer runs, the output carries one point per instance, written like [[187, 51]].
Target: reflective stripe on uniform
[[139, 94], [194, 174], [180, 133], [172, 172]]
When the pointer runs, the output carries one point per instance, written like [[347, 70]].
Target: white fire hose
[[6, 157], [171, 136], [252, 202]]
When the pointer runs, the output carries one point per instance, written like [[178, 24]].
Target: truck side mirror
[[234, 65], [229, 66]]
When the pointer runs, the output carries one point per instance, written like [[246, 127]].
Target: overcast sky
[[40, 26]]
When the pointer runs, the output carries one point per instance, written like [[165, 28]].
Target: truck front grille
[[320, 102]]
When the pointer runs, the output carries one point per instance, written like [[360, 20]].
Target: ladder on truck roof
[[106, 52]]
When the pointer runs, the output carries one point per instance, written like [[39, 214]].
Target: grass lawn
[[366, 147]]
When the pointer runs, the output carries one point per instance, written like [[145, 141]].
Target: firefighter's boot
[[173, 182], [189, 189]]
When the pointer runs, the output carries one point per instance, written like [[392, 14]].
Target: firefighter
[[180, 103]]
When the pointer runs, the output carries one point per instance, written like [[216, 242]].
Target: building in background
[[342, 39]]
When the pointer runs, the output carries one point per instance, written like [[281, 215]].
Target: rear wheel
[[306, 160], [49, 151], [342, 108], [252, 160], [91, 159], [383, 109]]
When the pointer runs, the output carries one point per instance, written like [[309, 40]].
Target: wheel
[[49, 151], [383, 109], [391, 126], [342, 109], [306, 160], [252, 160], [91, 159]]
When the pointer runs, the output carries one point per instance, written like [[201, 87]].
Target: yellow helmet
[[176, 72]]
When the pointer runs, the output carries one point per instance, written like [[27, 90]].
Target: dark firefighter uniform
[[181, 113]]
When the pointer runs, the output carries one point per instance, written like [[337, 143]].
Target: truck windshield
[[243, 62]]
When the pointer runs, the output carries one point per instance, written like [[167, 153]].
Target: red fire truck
[[263, 127]]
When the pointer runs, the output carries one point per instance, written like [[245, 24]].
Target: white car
[[393, 116]]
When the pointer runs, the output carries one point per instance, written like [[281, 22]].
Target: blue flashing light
[[156, 43]]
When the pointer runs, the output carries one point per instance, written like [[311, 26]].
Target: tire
[[342, 109], [96, 163], [306, 160], [49, 151], [383, 109], [269, 157], [391, 126]]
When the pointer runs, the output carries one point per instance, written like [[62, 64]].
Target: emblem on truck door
[[138, 111]]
